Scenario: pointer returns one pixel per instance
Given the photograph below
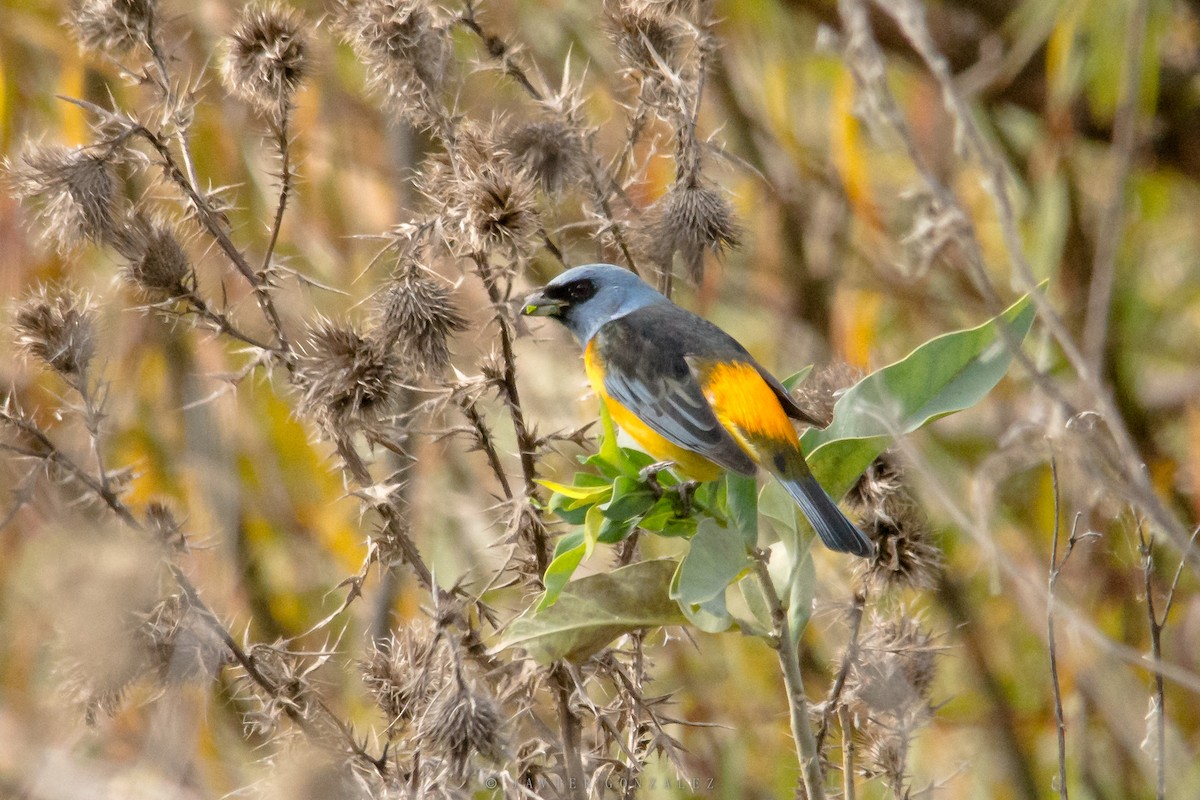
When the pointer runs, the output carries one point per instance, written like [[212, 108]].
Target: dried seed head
[[99, 593], [499, 211], [185, 648], [644, 36], [893, 676], [404, 673], [550, 150], [72, 190], [404, 49], [163, 527], [349, 381], [112, 26], [58, 329], [267, 57], [690, 219], [905, 556], [418, 314], [461, 723], [818, 393], [157, 264]]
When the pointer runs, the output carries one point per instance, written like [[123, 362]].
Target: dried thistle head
[[646, 34], [157, 265], [819, 392], [418, 314], [550, 150], [461, 723], [72, 191], [267, 57], [58, 328], [404, 673], [112, 26], [164, 528], [691, 218], [905, 555], [349, 381], [184, 647], [893, 676], [404, 48], [497, 210], [99, 591]]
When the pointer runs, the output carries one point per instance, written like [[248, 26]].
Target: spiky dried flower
[[461, 723], [645, 35], [418, 314], [404, 673], [692, 217], [404, 48], [819, 392], [550, 150], [498, 210], [72, 191], [164, 528], [267, 57], [157, 265], [905, 555], [57, 327], [893, 676], [112, 26], [350, 381], [185, 648]]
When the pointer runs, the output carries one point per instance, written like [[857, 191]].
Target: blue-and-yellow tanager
[[686, 391]]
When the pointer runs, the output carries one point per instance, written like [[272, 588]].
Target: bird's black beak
[[538, 305]]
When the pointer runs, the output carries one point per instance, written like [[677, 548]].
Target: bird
[[686, 391]]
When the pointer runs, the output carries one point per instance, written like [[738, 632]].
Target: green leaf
[[566, 562], [794, 577], [630, 498], [589, 494], [593, 611], [711, 616], [715, 559], [796, 378], [741, 493], [946, 374]]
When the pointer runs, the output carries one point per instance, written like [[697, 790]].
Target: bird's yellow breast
[[693, 465]]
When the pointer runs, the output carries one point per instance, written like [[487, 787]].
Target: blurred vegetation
[[875, 210]]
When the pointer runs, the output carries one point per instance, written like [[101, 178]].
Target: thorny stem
[[570, 728], [788, 647], [483, 436], [848, 660], [112, 500], [525, 441], [285, 187], [500, 51], [213, 224]]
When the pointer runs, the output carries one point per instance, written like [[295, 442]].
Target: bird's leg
[[685, 492], [649, 476]]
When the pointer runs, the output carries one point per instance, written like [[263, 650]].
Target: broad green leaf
[[715, 559], [560, 570], [593, 611], [794, 577], [562, 507], [741, 493], [946, 374], [757, 604], [711, 616], [614, 530], [630, 498]]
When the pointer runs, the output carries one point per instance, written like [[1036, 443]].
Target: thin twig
[[1055, 569], [1109, 225], [849, 657], [847, 725]]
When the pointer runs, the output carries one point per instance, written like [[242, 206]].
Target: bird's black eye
[[579, 291]]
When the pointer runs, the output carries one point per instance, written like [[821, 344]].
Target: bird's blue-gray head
[[584, 298]]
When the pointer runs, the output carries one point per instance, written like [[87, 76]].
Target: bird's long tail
[[837, 532]]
